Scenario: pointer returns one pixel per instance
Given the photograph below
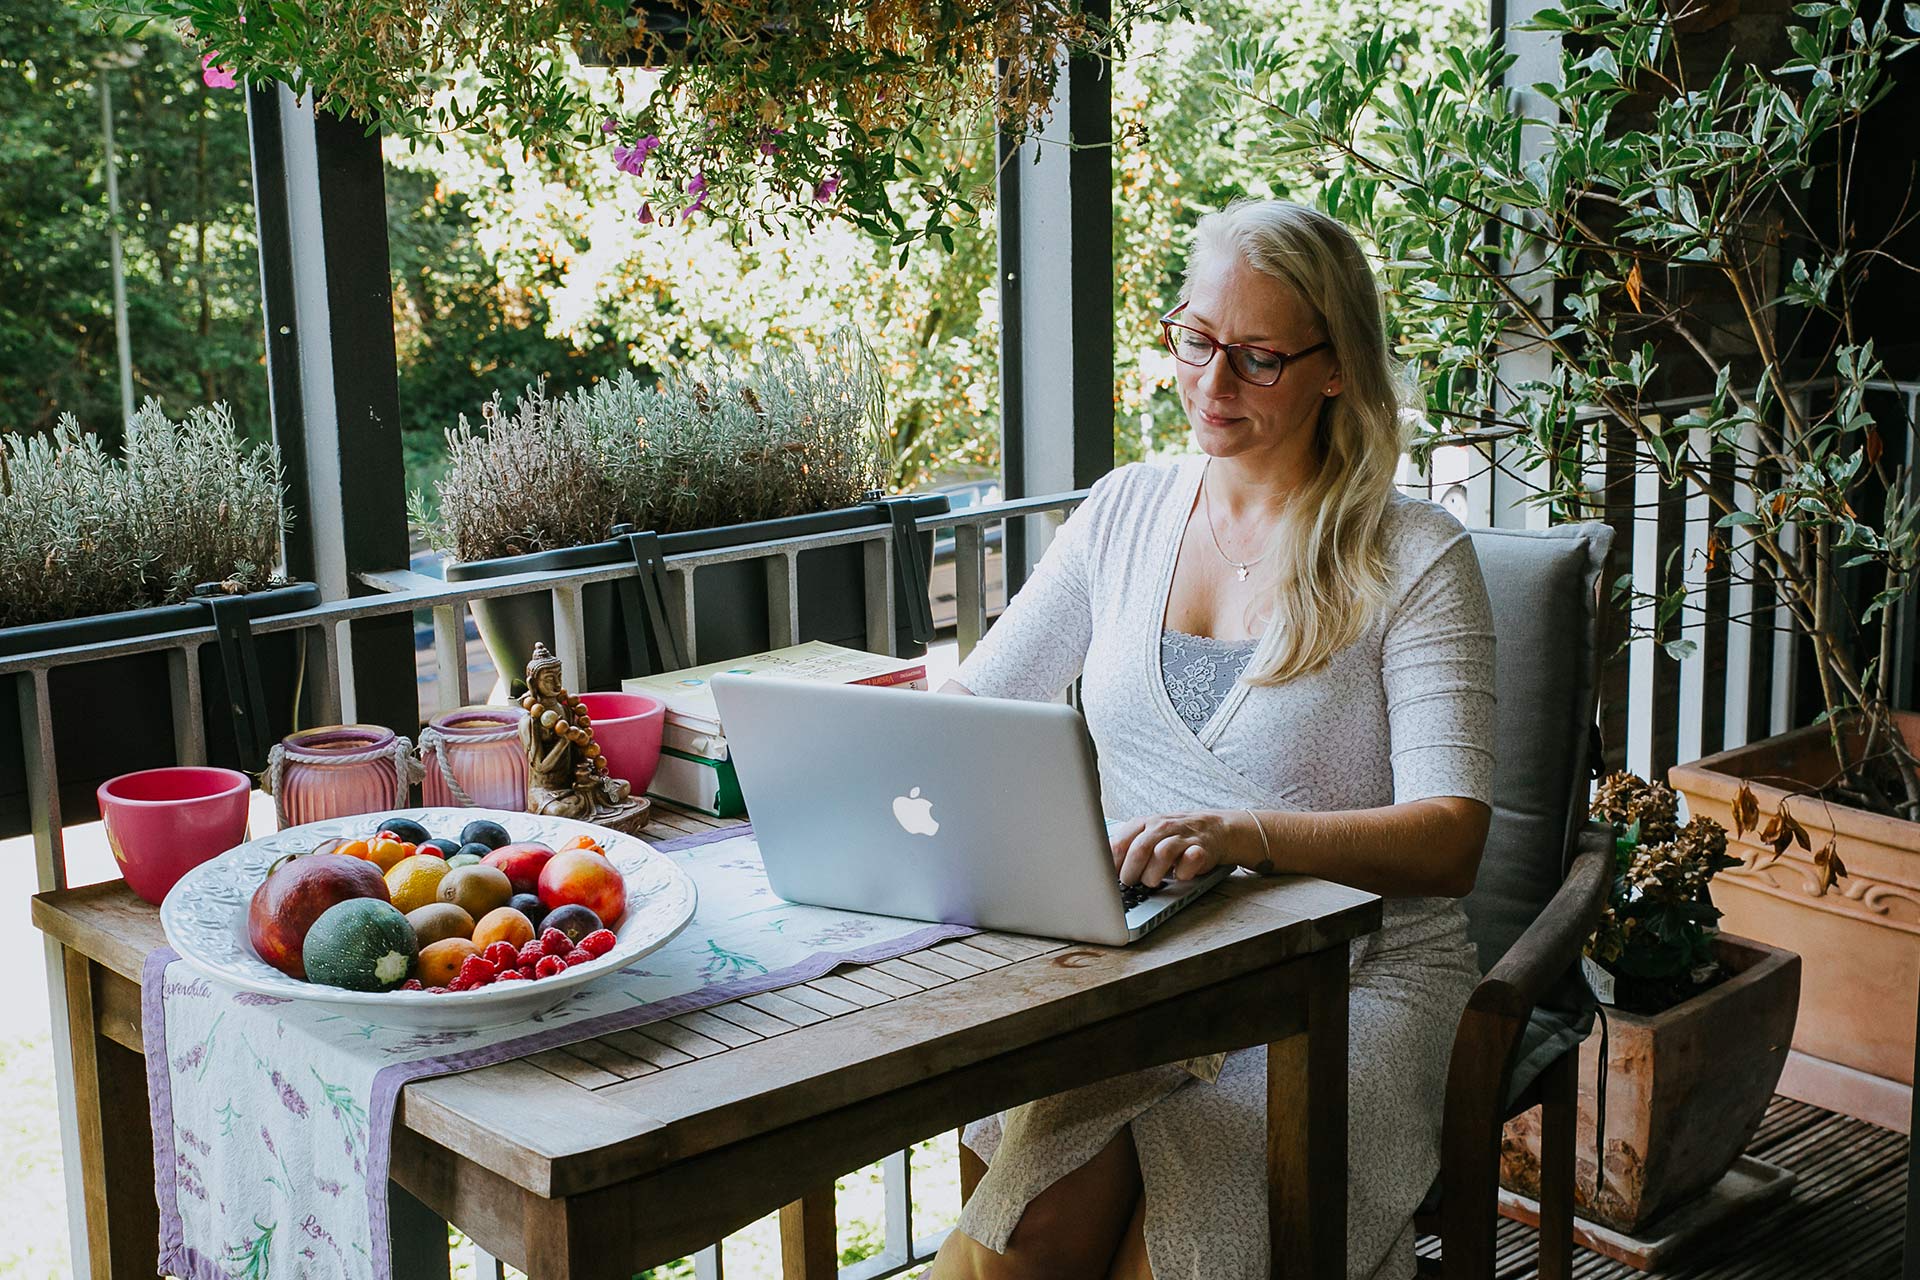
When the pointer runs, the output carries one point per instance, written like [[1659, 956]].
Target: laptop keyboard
[[1132, 895]]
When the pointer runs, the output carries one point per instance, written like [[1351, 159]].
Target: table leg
[[116, 1138], [808, 1249], [418, 1236], [1307, 1129]]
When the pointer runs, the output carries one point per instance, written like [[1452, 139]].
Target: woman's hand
[[1183, 845]]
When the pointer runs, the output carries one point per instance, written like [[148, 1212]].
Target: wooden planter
[[1860, 941], [1686, 1090]]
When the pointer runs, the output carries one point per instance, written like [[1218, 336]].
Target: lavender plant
[[84, 532], [794, 434]]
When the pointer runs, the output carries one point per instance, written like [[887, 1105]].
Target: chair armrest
[[1554, 941]]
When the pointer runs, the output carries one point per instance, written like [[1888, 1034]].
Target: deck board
[[1846, 1217]]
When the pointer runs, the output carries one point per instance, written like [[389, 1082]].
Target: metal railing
[[403, 592]]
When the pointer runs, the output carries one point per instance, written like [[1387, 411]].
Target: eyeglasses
[[1260, 366]]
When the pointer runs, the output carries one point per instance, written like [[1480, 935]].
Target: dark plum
[[486, 832], [446, 847], [530, 906], [475, 848], [574, 921]]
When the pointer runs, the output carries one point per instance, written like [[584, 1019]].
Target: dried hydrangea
[[1623, 799]]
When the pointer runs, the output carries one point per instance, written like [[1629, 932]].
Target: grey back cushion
[[1544, 587]]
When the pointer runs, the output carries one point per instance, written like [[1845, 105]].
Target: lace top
[[1199, 672]]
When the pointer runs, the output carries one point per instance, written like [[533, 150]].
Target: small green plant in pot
[[1655, 937]]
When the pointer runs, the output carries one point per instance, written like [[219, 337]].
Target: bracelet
[[1265, 847]]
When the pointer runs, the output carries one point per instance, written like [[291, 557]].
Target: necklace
[[1240, 570]]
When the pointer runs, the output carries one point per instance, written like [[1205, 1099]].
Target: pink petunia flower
[[216, 77], [609, 126], [829, 187]]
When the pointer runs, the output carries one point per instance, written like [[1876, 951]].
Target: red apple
[[577, 877], [297, 891], [522, 862]]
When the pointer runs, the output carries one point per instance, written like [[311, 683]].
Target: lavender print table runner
[[273, 1119]]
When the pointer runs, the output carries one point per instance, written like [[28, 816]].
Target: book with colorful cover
[[696, 768]]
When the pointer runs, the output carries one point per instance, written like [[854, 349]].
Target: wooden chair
[[1543, 880]]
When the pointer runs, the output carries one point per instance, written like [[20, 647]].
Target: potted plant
[[761, 111], [796, 445], [97, 546], [1696, 1033], [1703, 220]]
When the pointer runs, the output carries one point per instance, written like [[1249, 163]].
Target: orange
[[352, 849], [440, 962], [583, 841], [503, 924], [414, 881], [386, 853]]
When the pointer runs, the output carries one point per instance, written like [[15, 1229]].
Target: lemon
[[414, 882]]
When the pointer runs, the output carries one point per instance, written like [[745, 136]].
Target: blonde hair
[[1325, 569]]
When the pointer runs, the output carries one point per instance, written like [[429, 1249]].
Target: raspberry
[[503, 955], [555, 943], [548, 966], [510, 975], [438, 991], [528, 971], [458, 984], [579, 955], [412, 984], [599, 942], [477, 971], [530, 954]]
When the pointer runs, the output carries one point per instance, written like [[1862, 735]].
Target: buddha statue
[[566, 772]]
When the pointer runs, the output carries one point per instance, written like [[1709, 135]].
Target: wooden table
[[617, 1154]]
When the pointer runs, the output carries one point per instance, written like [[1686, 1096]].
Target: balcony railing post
[[184, 693], [450, 655], [1692, 708], [1641, 684], [783, 599], [569, 636], [879, 579], [969, 585]]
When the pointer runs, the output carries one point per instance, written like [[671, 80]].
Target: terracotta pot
[[1860, 941], [1686, 1091]]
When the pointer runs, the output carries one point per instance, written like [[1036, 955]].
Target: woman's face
[[1268, 426]]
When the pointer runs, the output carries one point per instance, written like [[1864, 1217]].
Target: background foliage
[[507, 268]]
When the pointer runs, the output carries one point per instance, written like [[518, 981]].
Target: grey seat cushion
[[1544, 587]]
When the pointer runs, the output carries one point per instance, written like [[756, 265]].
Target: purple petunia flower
[[697, 188], [216, 77], [828, 188], [609, 126], [646, 213], [633, 159]]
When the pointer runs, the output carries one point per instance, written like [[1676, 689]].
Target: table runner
[[273, 1118]]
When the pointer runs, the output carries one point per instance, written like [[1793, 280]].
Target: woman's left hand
[[1184, 846]]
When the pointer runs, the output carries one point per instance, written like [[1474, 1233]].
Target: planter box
[[1860, 941], [730, 600], [115, 716], [1686, 1091]]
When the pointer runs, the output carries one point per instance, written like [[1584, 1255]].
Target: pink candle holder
[[337, 771], [472, 758]]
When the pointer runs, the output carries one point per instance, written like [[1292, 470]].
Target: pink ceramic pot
[[162, 823], [627, 726]]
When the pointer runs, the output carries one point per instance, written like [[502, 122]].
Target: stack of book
[[696, 769]]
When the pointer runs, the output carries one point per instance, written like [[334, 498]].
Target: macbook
[[977, 811]]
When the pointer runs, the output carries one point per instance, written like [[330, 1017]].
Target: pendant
[[1240, 571]]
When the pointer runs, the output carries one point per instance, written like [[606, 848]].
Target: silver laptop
[[978, 811]]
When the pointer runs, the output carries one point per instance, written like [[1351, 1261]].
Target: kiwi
[[438, 921]]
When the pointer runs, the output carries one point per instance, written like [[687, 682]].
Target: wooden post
[[1559, 1111], [109, 1108], [808, 1250]]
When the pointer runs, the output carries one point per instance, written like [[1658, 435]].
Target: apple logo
[[915, 814]]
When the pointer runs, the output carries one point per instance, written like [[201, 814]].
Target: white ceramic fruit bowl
[[205, 918]]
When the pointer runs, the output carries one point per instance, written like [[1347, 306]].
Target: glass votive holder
[[473, 758], [337, 771]]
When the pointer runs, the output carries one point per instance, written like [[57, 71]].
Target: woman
[[1287, 667]]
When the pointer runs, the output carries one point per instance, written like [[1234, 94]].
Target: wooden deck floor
[[1845, 1221]]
